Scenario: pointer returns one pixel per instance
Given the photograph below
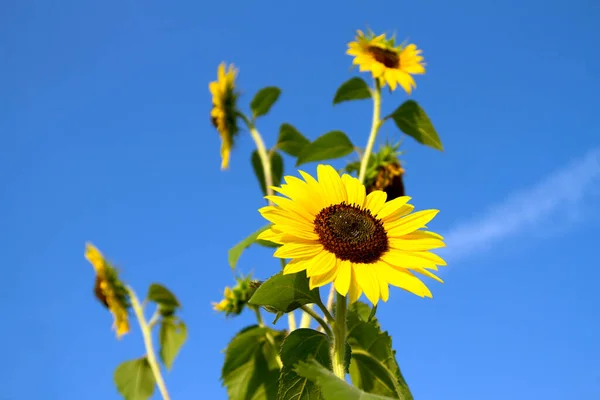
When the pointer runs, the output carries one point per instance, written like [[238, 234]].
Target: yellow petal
[[407, 281], [321, 264], [322, 280], [429, 275], [270, 235], [292, 206], [383, 283], [331, 183], [408, 244], [297, 250], [342, 281], [410, 223], [93, 255], [409, 260], [355, 291], [392, 206], [297, 265], [375, 201], [368, 281], [355, 190]]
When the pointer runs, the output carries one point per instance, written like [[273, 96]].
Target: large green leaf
[[290, 140], [353, 89], [134, 379], [164, 298], [263, 100], [300, 345], [332, 387], [374, 368], [251, 371], [276, 169], [172, 335], [285, 293], [236, 251], [411, 119], [334, 144]]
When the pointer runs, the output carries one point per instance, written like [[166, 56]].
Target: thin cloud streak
[[566, 187]]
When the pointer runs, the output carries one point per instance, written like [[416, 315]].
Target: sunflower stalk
[[147, 334], [265, 160], [338, 348]]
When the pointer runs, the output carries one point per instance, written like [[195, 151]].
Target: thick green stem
[[147, 334], [338, 350], [375, 125]]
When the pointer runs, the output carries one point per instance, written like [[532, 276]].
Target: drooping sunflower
[[336, 232], [223, 113], [387, 62], [109, 289]]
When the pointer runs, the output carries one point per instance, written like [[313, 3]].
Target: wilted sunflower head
[[109, 289], [389, 63], [336, 232], [235, 299], [224, 110]]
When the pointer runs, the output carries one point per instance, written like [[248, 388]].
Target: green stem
[[375, 125], [310, 312], [265, 158], [305, 320], [268, 335], [147, 334], [338, 350]]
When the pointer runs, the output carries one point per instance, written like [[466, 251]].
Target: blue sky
[[105, 136]]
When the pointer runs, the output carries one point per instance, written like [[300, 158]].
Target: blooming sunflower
[[109, 289], [389, 63], [333, 230], [223, 113]]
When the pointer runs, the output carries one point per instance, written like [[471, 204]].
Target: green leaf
[[134, 379], [236, 251], [166, 300], [171, 337], [290, 140], [300, 345], [334, 144], [374, 368], [251, 371], [411, 119], [264, 99], [353, 89], [332, 387], [276, 169], [285, 293]]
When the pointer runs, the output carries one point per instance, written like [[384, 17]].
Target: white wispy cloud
[[565, 189]]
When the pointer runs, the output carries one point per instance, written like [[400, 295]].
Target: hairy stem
[[338, 350], [147, 334], [375, 125]]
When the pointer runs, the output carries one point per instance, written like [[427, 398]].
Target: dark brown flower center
[[389, 58], [351, 233]]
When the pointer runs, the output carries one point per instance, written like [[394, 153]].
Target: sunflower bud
[[109, 289], [236, 298], [224, 110], [384, 171], [389, 179]]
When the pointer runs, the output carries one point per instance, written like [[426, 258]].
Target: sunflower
[[223, 113], [389, 63], [109, 289], [337, 233]]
